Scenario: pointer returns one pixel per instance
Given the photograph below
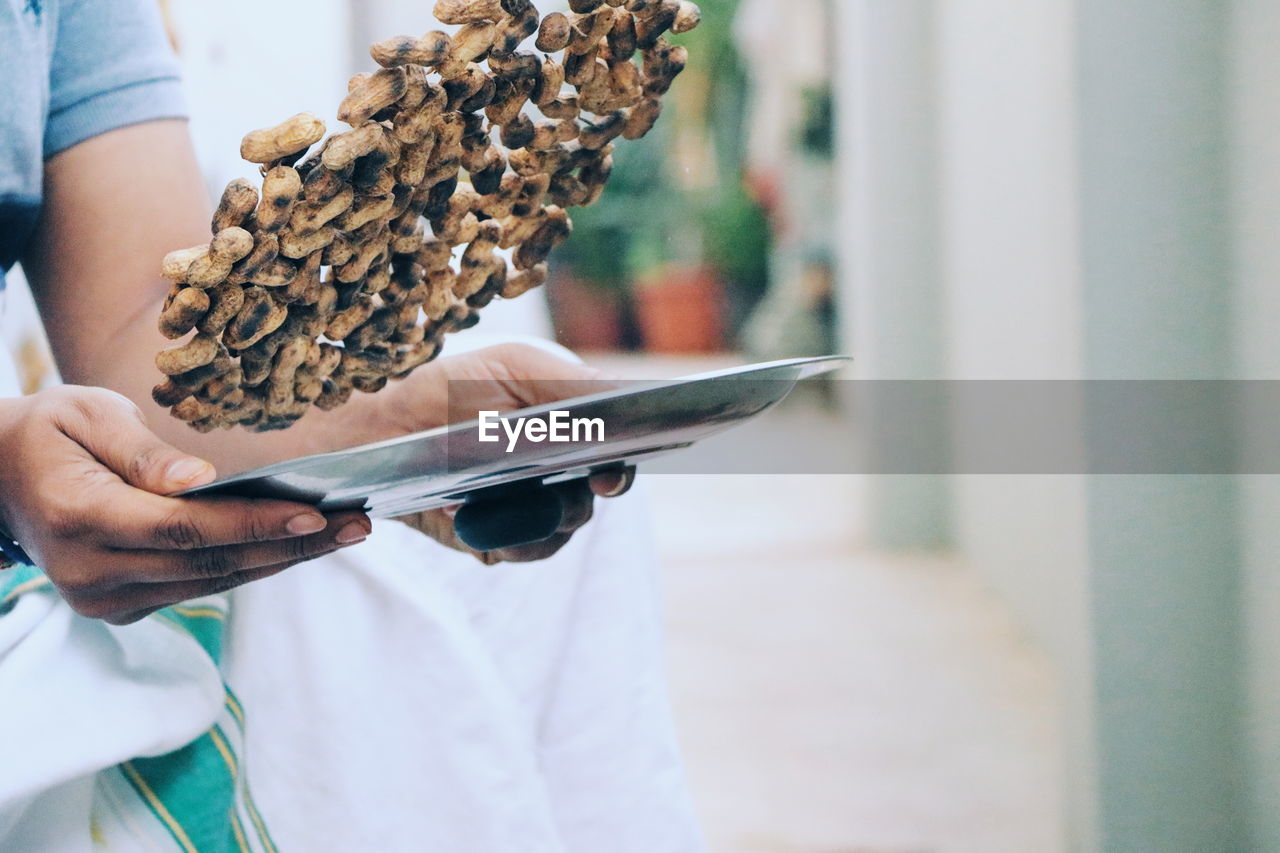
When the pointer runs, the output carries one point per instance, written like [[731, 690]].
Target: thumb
[[114, 430]]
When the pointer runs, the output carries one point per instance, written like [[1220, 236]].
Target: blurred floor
[[833, 700]]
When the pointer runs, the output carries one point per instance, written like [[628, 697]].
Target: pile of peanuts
[[356, 258]]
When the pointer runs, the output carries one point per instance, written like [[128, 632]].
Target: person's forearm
[[127, 364], [114, 206]]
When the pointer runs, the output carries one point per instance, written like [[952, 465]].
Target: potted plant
[[675, 254]]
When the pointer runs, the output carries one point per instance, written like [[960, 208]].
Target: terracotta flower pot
[[681, 310], [586, 318]]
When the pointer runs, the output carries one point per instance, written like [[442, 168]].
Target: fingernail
[[188, 470], [310, 522], [617, 488], [352, 533]]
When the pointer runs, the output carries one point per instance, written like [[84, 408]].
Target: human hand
[[501, 378], [83, 487], [576, 498]]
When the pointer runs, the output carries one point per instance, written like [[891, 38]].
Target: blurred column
[[1157, 284], [890, 288], [1256, 212], [1080, 221], [1008, 200]]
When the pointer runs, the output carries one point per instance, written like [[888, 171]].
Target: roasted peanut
[[524, 281], [580, 68], [415, 127], [373, 96], [225, 301], [468, 11], [431, 49], [588, 30], [492, 286], [518, 133], [550, 84], [471, 43], [477, 259], [321, 184], [229, 245], [337, 246], [518, 65], [488, 177], [514, 30], [566, 109], [218, 389], [297, 246], [375, 330], [343, 149], [509, 99], [197, 352], [256, 367], [347, 321], [662, 65], [183, 311], [175, 264], [622, 38], [368, 254], [257, 318], [688, 16], [464, 86], [169, 393], [597, 136], [281, 187], [305, 282], [365, 212], [281, 378], [640, 119], [594, 176], [238, 201], [553, 231], [554, 33], [266, 249], [309, 218], [287, 138], [192, 410], [529, 200], [278, 273]]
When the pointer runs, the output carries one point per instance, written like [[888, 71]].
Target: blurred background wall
[[1090, 191], [1254, 30], [969, 189]]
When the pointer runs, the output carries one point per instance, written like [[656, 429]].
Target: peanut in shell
[[348, 268]]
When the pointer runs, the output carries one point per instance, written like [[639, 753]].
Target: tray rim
[[809, 367]]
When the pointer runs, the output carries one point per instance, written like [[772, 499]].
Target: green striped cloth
[[197, 797]]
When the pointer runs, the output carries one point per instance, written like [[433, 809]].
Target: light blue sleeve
[[112, 67]]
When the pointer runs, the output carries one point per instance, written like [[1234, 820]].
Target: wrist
[[415, 403], [364, 420], [10, 409], [11, 554]]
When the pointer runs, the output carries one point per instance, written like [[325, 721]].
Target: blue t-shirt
[[71, 70]]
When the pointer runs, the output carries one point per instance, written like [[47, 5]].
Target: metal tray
[[443, 466]]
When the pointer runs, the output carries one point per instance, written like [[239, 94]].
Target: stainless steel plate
[[442, 466]]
